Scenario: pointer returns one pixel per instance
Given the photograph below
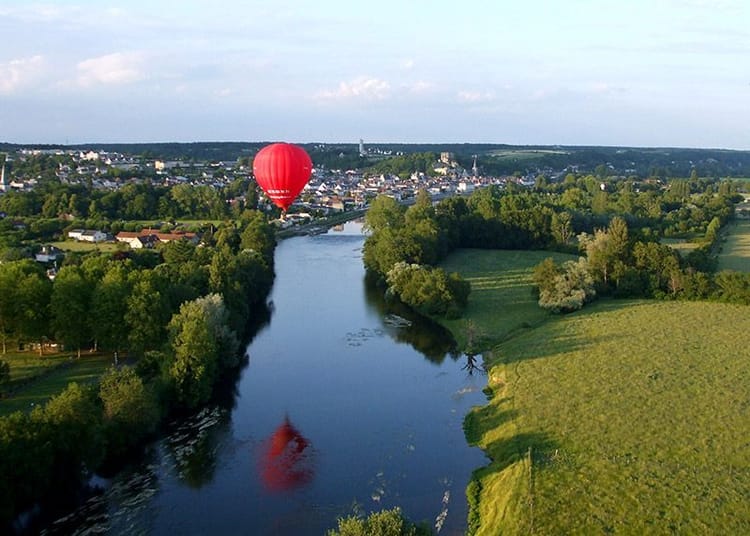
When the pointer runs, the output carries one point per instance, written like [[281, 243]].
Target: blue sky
[[582, 72]]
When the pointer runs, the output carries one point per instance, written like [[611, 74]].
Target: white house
[[48, 253], [137, 240], [465, 187], [148, 238], [86, 235]]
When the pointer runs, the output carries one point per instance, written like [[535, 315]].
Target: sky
[[668, 73]]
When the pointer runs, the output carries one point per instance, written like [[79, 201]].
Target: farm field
[[735, 252], [502, 300], [626, 417]]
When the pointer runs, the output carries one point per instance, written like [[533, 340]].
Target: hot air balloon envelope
[[282, 170]]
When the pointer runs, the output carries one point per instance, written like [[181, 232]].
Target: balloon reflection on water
[[286, 459]]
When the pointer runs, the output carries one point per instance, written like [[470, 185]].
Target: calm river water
[[342, 408]]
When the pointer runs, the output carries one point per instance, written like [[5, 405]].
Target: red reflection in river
[[286, 461]]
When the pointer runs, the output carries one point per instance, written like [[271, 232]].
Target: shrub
[[569, 289], [428, 290], [383, 523]]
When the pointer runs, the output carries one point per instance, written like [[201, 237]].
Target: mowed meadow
[[735, 251], [627, 417], [501, 301]]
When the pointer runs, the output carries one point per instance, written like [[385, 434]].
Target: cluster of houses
[[145, 238], [336, 190], [149, 238], [328, 190]]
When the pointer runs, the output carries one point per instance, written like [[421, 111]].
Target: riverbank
[[368, 408], [320, 225], [625, 416]]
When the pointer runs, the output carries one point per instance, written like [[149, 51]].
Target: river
[[342, 408]]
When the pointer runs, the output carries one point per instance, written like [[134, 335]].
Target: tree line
[[563, 216], [178, 314], [129, 202], [613, 263], [47, 213]]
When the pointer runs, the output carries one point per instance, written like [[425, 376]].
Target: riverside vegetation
[[616, 417], [173, 316]]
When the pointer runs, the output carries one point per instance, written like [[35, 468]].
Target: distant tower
[[361, 147], [474, 169], [3, 180]]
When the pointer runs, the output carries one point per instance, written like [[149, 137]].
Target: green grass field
[[34, 379], [626, 417], [26, 365], [501, 301], [72, 245], [735, 252]]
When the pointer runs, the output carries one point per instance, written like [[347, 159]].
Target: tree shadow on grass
[[507, 451], [555, 341], [484, 419], [545, 339]]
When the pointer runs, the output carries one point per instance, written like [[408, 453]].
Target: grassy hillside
[[628, 417], [735, 252], [501, 301]]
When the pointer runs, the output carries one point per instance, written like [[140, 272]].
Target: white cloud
[[361, 87], [115, 12], [45, 13], [19, 73], [419, 87], [407, 64], [475, 96], [604, 88], [117, 68], [704, 4]]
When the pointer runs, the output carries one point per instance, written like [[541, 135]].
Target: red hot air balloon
[[282, 170]]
